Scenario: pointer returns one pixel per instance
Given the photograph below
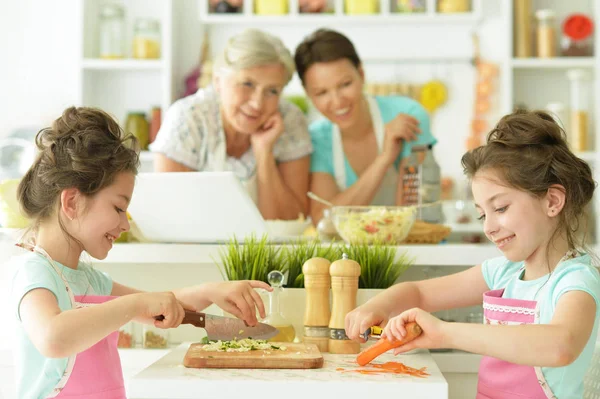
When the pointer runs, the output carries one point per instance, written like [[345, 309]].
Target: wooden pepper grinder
[[344, 285], [316, 314]]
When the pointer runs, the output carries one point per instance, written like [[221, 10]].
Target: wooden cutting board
[[296, 356]]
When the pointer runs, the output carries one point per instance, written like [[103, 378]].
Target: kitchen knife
[[226, 328]]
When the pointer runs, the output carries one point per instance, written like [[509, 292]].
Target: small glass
[[112, 31], [126, 336], [155, 338], [146, 39]]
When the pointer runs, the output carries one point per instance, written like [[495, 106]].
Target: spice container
[[577, 36], [126, 336], [522, 28], [452, 6], [155, 338], [146, 39], [137, 125], [326, 228], [558, 111], [546, 33], [112, 32], [580, 108]]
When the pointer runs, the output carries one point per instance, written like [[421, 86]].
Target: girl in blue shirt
[[541, 298], [358, 147]]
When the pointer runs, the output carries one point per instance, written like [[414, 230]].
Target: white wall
[[37, 61]]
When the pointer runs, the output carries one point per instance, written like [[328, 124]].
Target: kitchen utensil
[[422, 183], [226, 328], [314, 196], [295, 356], [317, 282], [372, 333], [344, 286]]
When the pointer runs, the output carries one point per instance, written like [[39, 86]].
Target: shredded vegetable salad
[[242, 345], [376, 225]]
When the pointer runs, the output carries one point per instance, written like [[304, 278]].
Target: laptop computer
[[194, 207]]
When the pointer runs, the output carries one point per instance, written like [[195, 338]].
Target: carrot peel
[[413, 330]]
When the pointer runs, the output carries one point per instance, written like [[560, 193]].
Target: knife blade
[[226, 328]]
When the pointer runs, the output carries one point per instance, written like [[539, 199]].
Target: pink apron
[[96, 372], [503, 380]]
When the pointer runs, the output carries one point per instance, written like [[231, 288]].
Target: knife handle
[[194, 318]]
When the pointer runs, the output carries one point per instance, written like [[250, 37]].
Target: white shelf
[[424, 255], [122, 65], [553, 63], [328, 19]]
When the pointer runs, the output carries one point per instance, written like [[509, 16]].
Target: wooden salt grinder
[[316, 314], [344, 286]]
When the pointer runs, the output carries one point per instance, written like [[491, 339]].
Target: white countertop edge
[[424, 255], [448, 362]]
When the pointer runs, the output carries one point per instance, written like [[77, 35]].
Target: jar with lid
[[155, 338], [326, 229], [146, 39], [580, 108], [558, 112], [126, 336], [577, 36], [546, 33], [137, 125], [112, 31]]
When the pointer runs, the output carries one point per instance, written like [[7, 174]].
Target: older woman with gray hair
[[242, 124]]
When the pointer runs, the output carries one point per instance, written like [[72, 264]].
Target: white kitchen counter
[[169, 379]]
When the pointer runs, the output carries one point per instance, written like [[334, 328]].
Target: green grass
[[254, 259]]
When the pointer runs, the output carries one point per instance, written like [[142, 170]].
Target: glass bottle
[[326, 228], [287, 333], [546, 33], [146, 39], [580, 107], [112, 31], [137, 125]]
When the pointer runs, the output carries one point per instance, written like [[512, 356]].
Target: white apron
[[386, 195]]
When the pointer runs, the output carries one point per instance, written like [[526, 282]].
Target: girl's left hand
[[240, 299], [433, 335], [264, 139]]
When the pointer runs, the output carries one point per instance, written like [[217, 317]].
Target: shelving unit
[[538, 81], [386, 14], [136, 84]]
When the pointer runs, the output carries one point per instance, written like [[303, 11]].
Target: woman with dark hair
[[359, 146]]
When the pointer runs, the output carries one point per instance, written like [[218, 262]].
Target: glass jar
[[146, 39], [452, 6], [137, 125], [558, 111], [580, 108], [326, 229], [126, 336], [112, 31], [577, 36], [155, 338], [546, 33], [275, 318]]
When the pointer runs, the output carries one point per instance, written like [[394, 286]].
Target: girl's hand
[[433, 336], [402, 127], [360, 319], [153, 304], [264, 139], [240, 299]]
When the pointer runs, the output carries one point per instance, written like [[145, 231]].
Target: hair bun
[[523, 129]]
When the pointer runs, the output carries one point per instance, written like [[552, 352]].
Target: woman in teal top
[[358, 148]]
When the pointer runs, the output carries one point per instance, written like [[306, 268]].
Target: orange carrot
[[413, 330]]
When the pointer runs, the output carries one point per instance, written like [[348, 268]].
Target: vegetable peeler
[[373, 332]]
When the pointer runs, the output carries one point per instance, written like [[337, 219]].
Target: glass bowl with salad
[[374, 224]]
